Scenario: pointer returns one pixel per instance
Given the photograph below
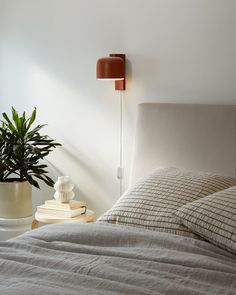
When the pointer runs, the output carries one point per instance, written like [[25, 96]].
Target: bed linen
[[151, 203], [112, 259]]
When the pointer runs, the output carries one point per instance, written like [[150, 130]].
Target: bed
[[157, 238]]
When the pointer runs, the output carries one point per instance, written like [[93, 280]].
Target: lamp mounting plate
[[119, 84]]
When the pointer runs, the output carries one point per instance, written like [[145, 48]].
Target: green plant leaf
[[32, 181], [8, 123], [32, 119], [47, 180]]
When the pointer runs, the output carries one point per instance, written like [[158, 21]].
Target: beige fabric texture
[[213, 217], [188, 136], [153, 200]]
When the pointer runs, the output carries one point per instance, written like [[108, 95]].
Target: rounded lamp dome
[[110, 68]]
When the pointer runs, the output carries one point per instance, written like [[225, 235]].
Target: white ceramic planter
[[15, 199]]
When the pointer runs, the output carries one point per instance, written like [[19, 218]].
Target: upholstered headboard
[[196, 137]]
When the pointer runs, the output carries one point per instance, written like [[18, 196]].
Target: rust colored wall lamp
[[112, 68]]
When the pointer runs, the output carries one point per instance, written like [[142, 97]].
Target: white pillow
[[153, 200], [213, 217]]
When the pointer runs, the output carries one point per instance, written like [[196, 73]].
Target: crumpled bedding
[[112, 259]]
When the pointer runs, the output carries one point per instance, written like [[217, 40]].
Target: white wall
[[178, 51]]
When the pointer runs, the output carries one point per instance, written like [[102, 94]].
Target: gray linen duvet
[[111, 259]]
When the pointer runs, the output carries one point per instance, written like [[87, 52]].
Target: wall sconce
[[113, 68]]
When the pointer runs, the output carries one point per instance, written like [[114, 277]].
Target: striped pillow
[[213, 217], [151, 202]]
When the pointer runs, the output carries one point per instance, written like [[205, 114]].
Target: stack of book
[[72, 211]]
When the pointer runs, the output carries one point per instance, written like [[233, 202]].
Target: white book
[[71, 205], [60, 212], [87, 217]]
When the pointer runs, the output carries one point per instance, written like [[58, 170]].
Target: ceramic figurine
[[64, 189]]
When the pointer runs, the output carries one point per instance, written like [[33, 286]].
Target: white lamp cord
[[120, 170]]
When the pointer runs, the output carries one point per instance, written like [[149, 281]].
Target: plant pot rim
[[13, 180]]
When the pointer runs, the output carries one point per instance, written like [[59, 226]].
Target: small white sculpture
[[64, 189]]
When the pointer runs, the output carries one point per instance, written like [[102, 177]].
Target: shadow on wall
[[91, 176], [91, 126]]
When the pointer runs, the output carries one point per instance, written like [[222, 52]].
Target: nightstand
[[88, 217]]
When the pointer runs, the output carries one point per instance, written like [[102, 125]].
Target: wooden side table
[[89, 216]]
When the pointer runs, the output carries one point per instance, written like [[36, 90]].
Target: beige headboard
[[195, 137]]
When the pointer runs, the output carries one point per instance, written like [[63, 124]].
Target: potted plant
[[22, 148]]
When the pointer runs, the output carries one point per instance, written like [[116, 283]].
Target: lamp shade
[[110, 68]]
